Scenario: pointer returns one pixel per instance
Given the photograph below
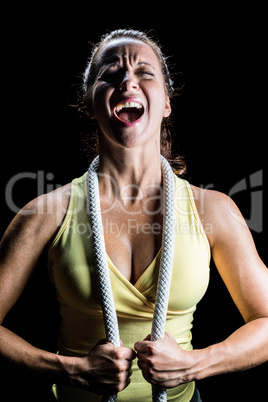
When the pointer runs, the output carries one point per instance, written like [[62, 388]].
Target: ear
[[89, 107], [167, 110], [90, 111], [90, 115]]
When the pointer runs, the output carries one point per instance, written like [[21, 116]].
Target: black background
[[219, 127]]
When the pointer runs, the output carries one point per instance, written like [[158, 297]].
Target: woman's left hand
[[163, 362]]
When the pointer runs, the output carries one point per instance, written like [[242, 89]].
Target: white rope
[[165, 270], [166, 264]]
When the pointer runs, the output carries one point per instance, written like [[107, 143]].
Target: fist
[[107, 368], [163, 362]]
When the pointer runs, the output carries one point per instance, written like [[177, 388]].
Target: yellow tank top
[[70, 263]]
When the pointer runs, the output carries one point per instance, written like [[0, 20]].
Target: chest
[[133, 236]]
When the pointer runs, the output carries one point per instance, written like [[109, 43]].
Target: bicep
[[25, 240], [19, 251], [238, 262]]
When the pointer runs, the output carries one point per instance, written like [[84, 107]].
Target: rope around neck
[[103, 276]]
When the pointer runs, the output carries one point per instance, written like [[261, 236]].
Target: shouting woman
[[128, 91]]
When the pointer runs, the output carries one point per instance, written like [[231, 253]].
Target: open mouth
[[128, 112]]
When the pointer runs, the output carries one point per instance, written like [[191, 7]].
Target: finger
[[125, 353], [102, 342], [148, 338], [168, 336], [142, 365], [142, 346], [130, 354]]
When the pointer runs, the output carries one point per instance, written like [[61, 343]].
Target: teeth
[[128, 105]]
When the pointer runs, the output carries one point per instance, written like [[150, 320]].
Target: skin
[[130, 164]]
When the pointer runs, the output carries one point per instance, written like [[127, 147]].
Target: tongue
[[129, 116]]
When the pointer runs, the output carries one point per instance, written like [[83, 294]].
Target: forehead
[[132, 49]]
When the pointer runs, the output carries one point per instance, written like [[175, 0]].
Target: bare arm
[[26, 238], [106, 368], [246, 278]]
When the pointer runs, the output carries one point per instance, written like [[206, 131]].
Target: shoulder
[[39, 220], [207, 200], [54, 202], [219, 214]]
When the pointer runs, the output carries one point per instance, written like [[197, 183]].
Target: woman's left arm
[[246, 277]]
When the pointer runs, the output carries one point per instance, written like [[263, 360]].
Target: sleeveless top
[[71, 267]]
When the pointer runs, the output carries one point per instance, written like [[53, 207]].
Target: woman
[[128, 92]]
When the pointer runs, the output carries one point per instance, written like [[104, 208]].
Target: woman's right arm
[[24, 241], [26, 238]]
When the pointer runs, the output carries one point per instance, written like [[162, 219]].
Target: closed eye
[[111, 75], [114, 73], [144, 72]]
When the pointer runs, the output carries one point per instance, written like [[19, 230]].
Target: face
[[128, 98]]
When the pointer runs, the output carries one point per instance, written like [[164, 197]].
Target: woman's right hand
[[106, 369]]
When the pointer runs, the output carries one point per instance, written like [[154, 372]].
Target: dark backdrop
[[218, 127]]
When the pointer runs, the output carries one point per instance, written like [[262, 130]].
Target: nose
[[129, 82]]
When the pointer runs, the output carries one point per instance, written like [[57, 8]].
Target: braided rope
[[166, 264], [105, 287], [165, 271]]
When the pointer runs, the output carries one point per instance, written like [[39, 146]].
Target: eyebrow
[[145, 63], [114, 59], [111, 60]]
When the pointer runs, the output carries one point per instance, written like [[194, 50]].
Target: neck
[[130, 174]]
